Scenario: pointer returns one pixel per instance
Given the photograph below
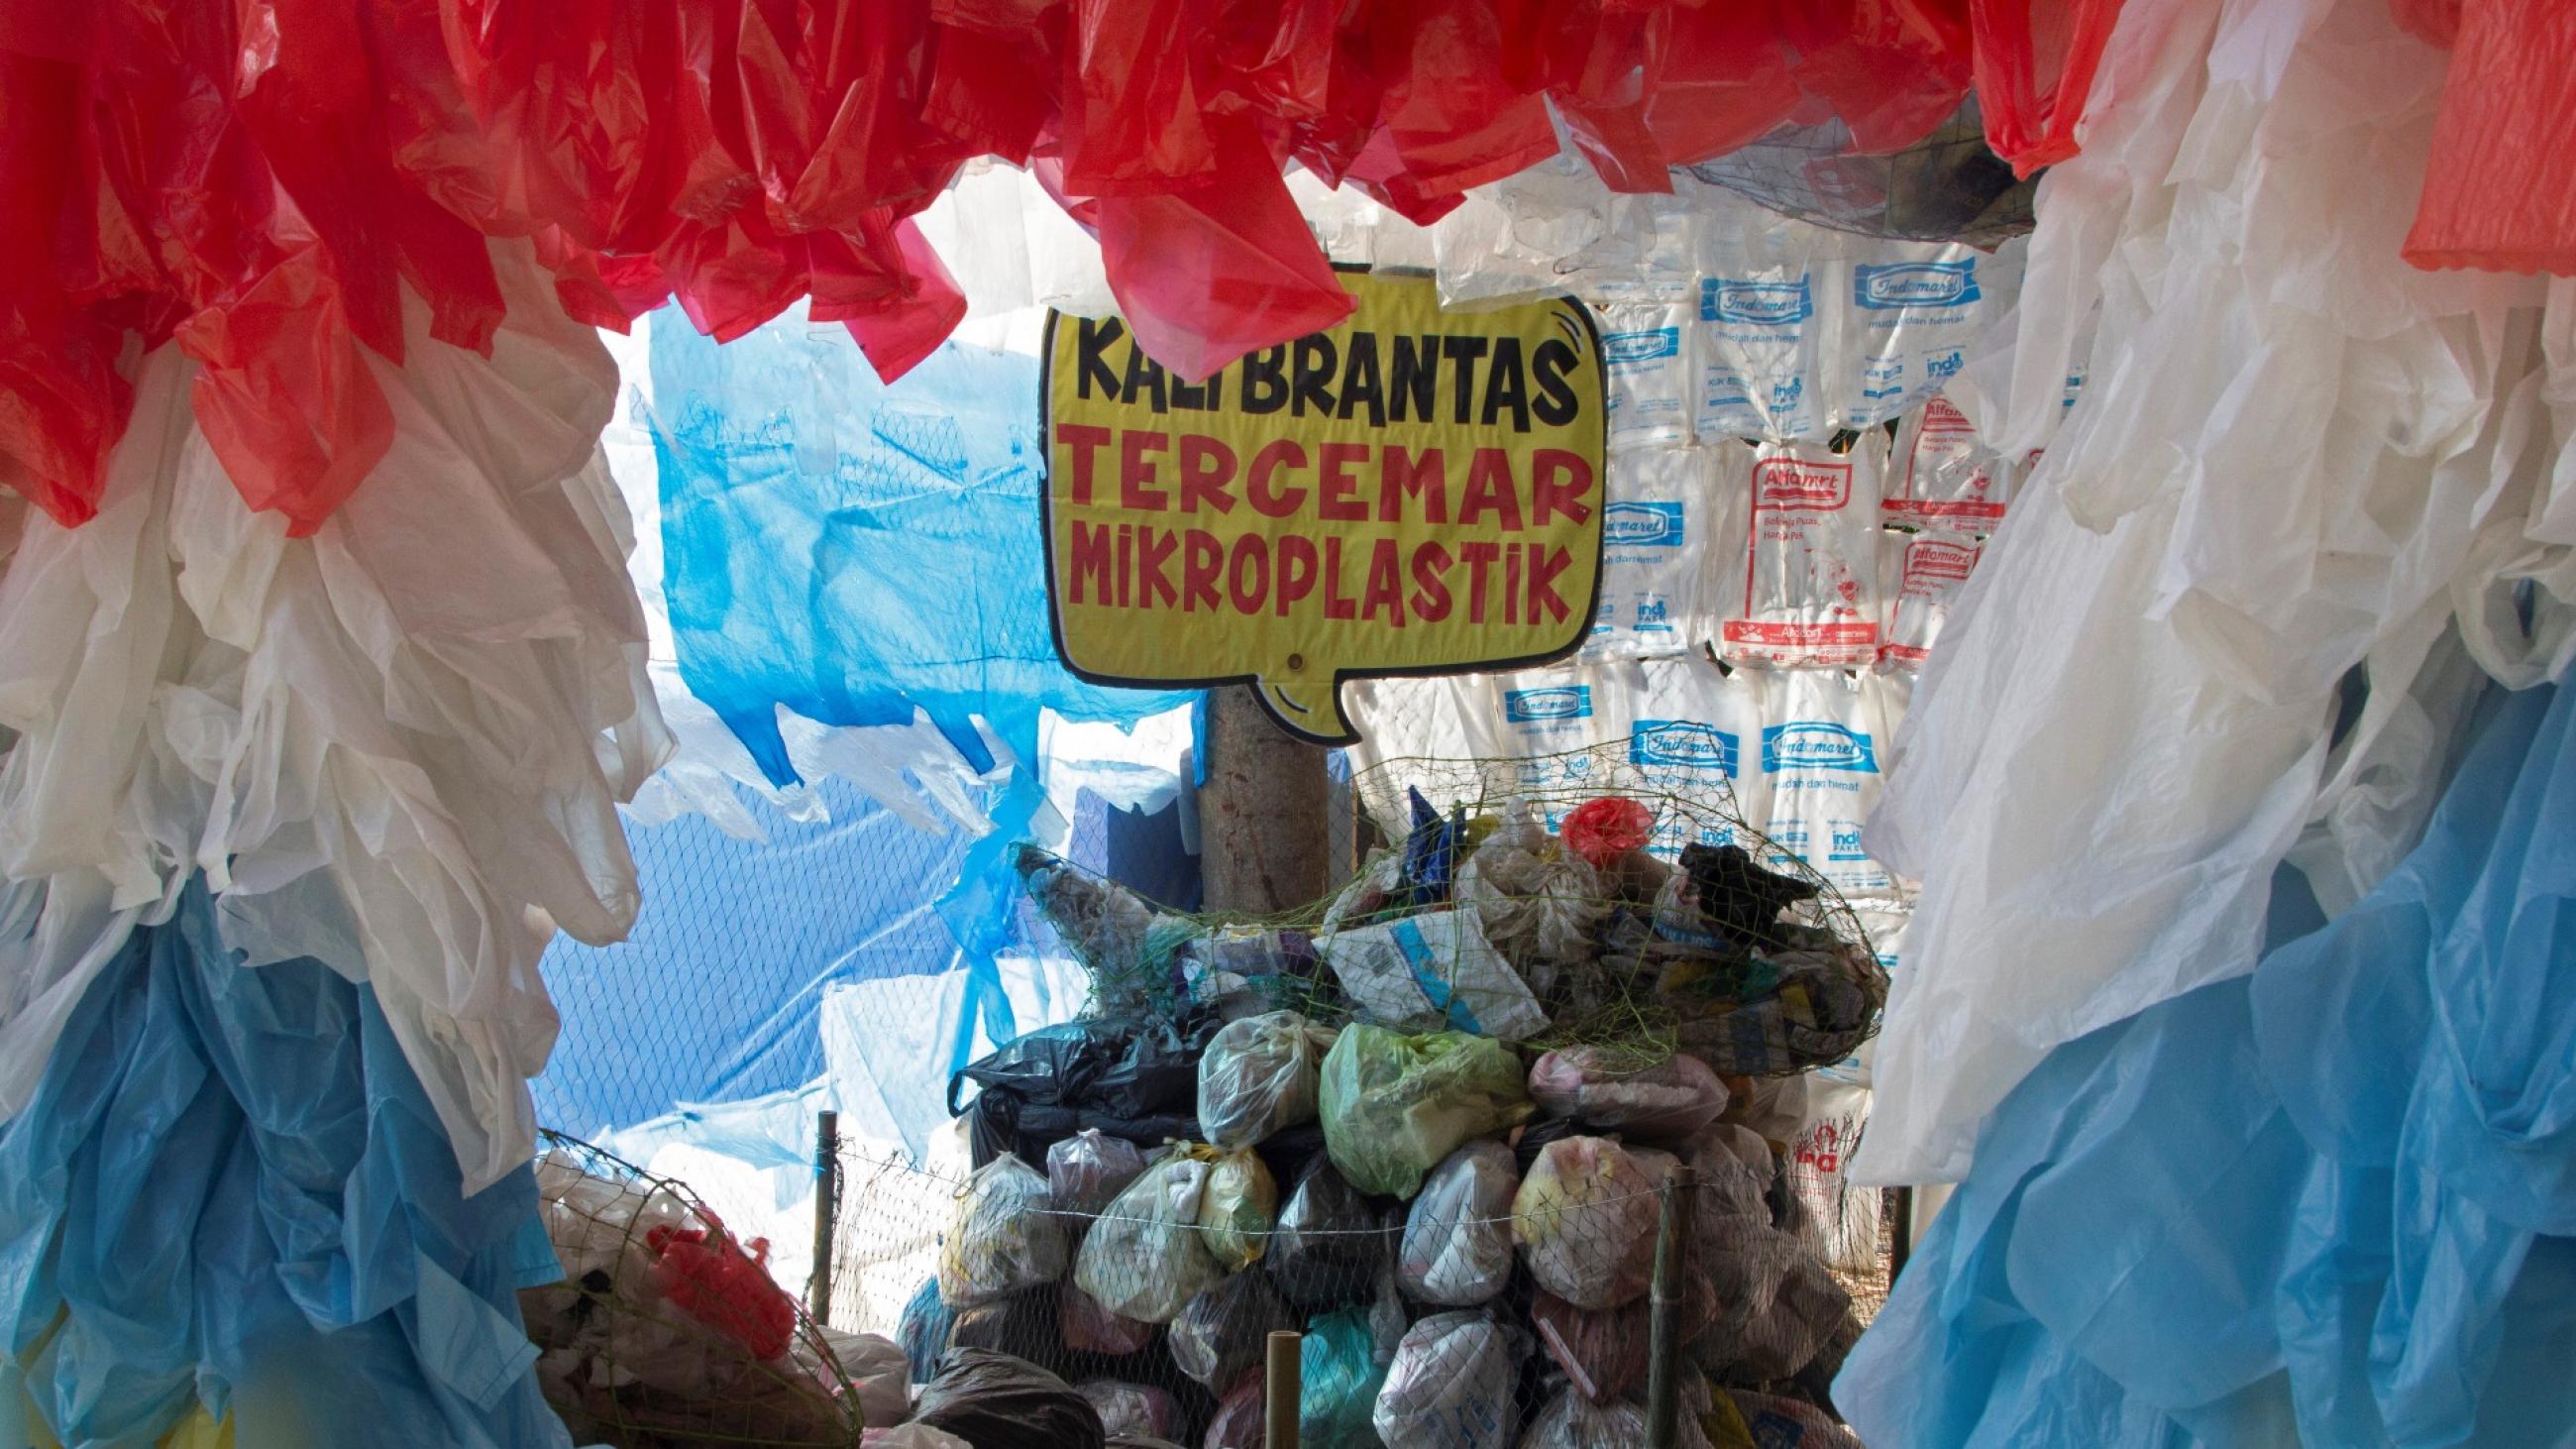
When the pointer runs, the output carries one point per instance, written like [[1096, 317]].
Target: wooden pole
[[1262, 813], [1664, 1325], [827, 1205], [1282, 1387]]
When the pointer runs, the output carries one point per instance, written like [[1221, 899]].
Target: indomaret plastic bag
[[1450, 1386], [1821, 766], [1760, 346], [1457, 1248], [1259, 1076], [1585, 1218], [1395, 1105], [1146, 1258], [1006, 1238], [1645, 347], [1667, 519], [1808, 592]]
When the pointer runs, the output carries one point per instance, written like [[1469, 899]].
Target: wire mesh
[[1506, 1302], [1947, 187], [667, 1331]]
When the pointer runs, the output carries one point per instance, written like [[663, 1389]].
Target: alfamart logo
[[1618, 348], [1817, 745], [1632, 524], [1916, 284], [1535, 706], [1800, 483], [1683, 745], [1765, 304]]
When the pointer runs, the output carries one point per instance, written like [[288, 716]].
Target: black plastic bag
[[994, 1401], [1329, 1244], [1221, 1335], [1025, 1325]]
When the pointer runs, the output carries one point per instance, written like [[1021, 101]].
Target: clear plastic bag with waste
[[1395, 1105], [1585, 1220], [1457, 1245], [1260, 1076], [1006, 1238], [1450, 1385]]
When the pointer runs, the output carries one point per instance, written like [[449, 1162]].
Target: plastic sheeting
[[2295, 458], [2331, 1203], [231, 1188], [260, 188], [783, 461], [396, 745]]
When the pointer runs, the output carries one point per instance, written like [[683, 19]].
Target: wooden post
[[1282, 1388], [1262, 812], [1663, 1324], [827, 1204]]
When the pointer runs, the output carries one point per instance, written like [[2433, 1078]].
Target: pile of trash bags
[[666, 1327], [1463, 1230]]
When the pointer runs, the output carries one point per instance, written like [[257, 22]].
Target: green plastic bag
[[1340, 1376], [1239, 1206], [1395, 1105]]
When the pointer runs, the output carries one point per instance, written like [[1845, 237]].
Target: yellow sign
[[1412, 492]]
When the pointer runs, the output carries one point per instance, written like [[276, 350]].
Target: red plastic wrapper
[[721, 1286], [2035, 61], [1603, 830], [2500, 187]]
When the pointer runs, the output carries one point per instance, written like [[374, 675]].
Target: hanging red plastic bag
[[721, 1286], [2035, 61], [2500, 186], [1604, 830]]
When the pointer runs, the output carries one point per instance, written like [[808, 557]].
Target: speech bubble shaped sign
[[1412, 492]]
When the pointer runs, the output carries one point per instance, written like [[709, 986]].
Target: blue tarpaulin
[[2331, 1203]]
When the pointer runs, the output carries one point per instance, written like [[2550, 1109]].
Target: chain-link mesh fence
[[1949, 186]]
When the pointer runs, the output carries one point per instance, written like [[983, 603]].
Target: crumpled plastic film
[[2273, 1210], [2496, 193], [2159, 635], [231, 1188], [392, 745], [266, 187]]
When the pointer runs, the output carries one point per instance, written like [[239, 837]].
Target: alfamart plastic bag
[[1585, 1218], [1656, 1101], [1809, 592], [1395, 1105], [1146, 1258], [1924, 574], [1006, 1238], [1450, 1386], [1942, 476], [1431, 970], [1260, 1076], [1457, 1247]]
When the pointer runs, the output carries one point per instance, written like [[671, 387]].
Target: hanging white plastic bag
[[1942, 476], [1006, 1238], [1662, 527], [1820, 761], [1925, 572], [1840, 1218], [1809, 594], [1457, 1248], [1433, 971], [1697, 734], [1907, 323], [1759, 343], [1645, 350]]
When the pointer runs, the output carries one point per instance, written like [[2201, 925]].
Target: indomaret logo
[[1634, 524], [1618, 348], [1801, 483], [1817, 745], [1684, 745], [1915, 284], [1532, 706], [1765, 304]]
